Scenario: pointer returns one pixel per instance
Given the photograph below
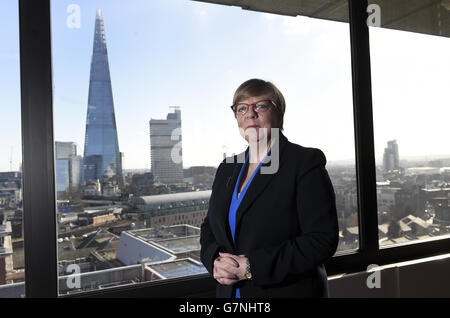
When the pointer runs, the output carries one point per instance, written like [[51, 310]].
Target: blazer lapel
[[258, 184], [230, 183]]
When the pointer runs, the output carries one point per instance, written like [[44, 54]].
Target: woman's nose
[[251, 112]]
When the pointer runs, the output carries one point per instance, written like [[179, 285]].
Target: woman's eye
[[261, 107], [241, 108]]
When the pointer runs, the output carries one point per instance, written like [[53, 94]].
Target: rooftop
[[5, 229], [173, 239], [5, 251], [180, 245], [166, 232], [158, 244], [172, 197], [177, 268]]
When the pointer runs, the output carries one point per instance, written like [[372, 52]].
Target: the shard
[[102, 158]]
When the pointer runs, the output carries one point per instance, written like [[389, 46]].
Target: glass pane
[[319, 111], [130, 80], [12, 268], [410, 77]]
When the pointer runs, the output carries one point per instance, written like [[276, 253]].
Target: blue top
[[236, 201]]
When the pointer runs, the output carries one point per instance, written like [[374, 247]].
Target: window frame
[[38, 177], [39, 198]]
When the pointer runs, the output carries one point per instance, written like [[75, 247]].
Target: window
[[410, 79], [140, 187], [129, 79], [319, 111], [12, 274]]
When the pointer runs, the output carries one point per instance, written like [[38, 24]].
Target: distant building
[[441, 209], [166, 149], [10, 189], [5, 251], [386, 196], [130, 275], [406, 202], [10, 195], [140, 181], [11, 176], [93, 189], [62, 175], [111, 190], [67, 167], [200, 175], [65, 149], [159, 244], [391, 157], [431, 197], [172, 209], [99, 215]]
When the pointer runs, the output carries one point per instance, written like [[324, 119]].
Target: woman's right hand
[[225, 270]]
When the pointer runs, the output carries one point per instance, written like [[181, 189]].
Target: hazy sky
[[194, 55]]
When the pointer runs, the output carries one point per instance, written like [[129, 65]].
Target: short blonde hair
[[256, 87]]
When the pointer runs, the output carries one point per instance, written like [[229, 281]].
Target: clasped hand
[[229, 269]]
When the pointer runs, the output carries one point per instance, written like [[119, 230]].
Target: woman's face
[[255, 126]]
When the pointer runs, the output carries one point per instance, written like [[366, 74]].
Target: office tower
[[166, 150], [68, 166], [6, 251], [102, 159], [62, 175], [391, 157], [65, 149]]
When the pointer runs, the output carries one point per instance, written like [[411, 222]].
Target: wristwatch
[[248, 274]]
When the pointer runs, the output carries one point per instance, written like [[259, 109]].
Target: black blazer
[[286, 225]]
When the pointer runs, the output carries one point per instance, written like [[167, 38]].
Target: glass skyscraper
[[102, 158], [68, 166]]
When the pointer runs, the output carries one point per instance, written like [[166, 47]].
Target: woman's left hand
[[241, 260]]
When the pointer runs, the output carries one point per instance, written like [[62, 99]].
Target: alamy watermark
[[73, 21], [258, 140], [176, 153], [259, 144], [73, 281], [374, 279], [374, 18]]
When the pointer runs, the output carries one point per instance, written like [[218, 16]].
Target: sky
[[194, 55]]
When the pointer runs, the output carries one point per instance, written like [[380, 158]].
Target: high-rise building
[[62, 175], [6, 251], [166, 150], [65, 149], [391, 157], [102, 158]]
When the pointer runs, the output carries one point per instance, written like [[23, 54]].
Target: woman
[[268, 234]]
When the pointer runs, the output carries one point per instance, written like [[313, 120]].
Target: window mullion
[[38, 163], [364, 135]]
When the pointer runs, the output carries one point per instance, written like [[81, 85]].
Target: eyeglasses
[[259, 107]]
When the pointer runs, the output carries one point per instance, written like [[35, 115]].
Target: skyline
[[149, 44]]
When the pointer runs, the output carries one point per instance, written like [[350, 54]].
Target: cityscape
[[119, 227]]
